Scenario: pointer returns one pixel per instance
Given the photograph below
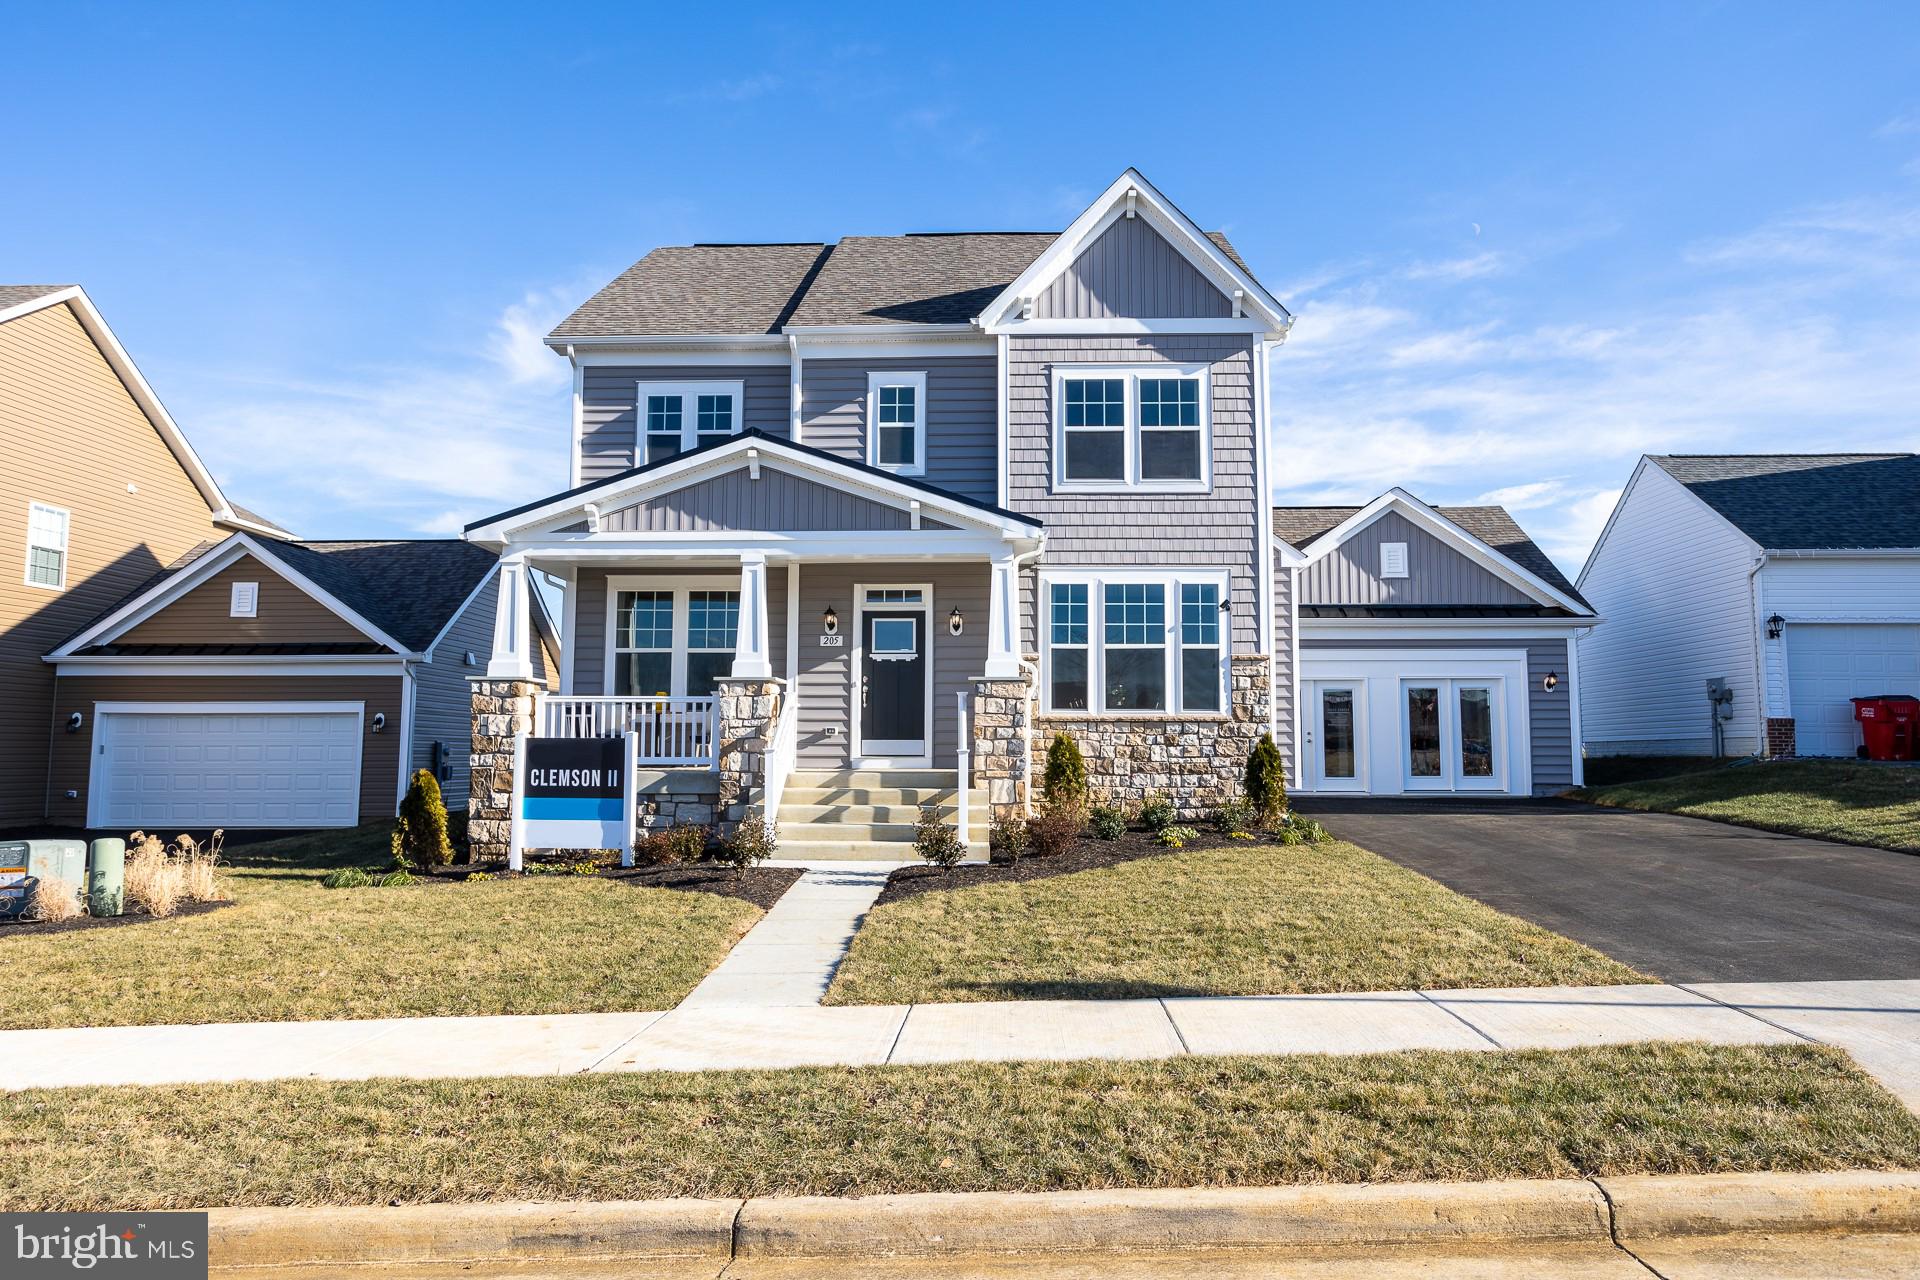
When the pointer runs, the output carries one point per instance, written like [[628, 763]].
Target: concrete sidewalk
[[789, 957], [1879, 1022]]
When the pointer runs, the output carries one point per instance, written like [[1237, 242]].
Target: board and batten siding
[[587, 649], [1437, 574], [72, 436], [1131, 271], [609, 421], [778, 501], [1549, 715], [71, 753], [1671, 579], [1217, 529], [284, 614], [961, 415]]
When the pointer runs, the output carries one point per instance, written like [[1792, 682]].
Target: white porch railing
[[669, 731]]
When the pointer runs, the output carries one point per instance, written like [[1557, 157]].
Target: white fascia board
[[1442, 628], [1290, 556], [137, 386], [1124, 326], [1166, 218], [724, 549], [1447, 531], [881, 347], [254, 526], [689, 357], [161, 594], [670, 342], [1841, 553], [291, 664]]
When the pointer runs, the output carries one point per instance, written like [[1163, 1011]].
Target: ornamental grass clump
[[54, 900], [160, 877], [420, 832]]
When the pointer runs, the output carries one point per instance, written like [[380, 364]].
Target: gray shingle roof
[[1809, 501], [1301, 527], [12, 295], [758, 288], [407, 589], [254, 517]]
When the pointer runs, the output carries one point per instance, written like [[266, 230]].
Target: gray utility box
[[22, 862]]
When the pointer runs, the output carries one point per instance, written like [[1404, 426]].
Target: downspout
[[794, 388], [1758, 631]]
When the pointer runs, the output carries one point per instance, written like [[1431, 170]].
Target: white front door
[[1452, 734], [1829, 664], [1336, 733]]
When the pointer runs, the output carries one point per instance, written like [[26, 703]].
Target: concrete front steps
[[868, 815]]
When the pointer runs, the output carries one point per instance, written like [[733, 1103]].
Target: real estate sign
[[573, 793]]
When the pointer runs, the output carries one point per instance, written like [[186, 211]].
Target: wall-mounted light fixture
[[830, 621], [1226, 602], [74, 722], [955, 623], [1775, 625], [1550, 681], [379, 722]]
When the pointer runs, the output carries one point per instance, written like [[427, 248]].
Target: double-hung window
[[46, 546], [1144, 427], [675, 417], [897, 422], [671, 639], [1134, 641]]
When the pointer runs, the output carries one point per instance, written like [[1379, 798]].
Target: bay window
[[676, 417], [670, 638], [1144, 427], [1136, 642]]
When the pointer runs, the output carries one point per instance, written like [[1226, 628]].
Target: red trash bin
[[1888, 722]]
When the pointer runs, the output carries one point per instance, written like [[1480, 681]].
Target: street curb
[[1638, 1209]]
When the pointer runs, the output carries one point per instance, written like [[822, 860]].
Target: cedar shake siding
[[609, 423], [1217, 529], [72, 752], [1437, 575], [778, 501], [72, 436], [1131, 271], [961, 416], [1283, 670], [285, 614]]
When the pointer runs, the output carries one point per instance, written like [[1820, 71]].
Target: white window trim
[[1130, 376], [1393, 560], [689, 410], [1096, 581], [918, 381], [66, 540], [243, 601], [679, 588]]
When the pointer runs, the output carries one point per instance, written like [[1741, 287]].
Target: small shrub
[[1065, 780], [671, 846], [1236, 818], [1289, 835], [1175, 837], [1107, 822], [346, 878], [54, 900], [563, 867], [1311, 832], [1157, 813], [1008, 841], [1055, 830], [395, 879], [479, 875], [1265, 784], [420, 832], [935, 840], [754, 841]]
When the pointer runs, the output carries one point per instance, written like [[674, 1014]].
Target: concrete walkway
[[788, 958], [1879, 1022]]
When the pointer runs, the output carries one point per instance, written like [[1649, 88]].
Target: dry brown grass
[[160, 877], [54, 900]]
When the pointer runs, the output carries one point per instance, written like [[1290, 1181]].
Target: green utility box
[[23, 863], [107, 878]]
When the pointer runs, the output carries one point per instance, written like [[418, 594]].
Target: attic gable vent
[[1393, 559], [245, 601]]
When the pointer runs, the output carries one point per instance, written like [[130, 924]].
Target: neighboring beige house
[[98, 491]]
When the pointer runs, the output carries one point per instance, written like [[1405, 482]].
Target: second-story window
[[1144, 428], [46, 546], [897, 422], [675, 417]]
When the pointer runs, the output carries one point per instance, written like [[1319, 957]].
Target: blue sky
[[1525, 243]]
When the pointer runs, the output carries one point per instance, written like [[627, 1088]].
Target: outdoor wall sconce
[[1550, 681], [1775, 625], [74, 722], [955, 622], [379, 722], [830, 621]]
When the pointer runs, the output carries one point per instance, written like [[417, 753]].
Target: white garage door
[[291, 764], [1831, 663]]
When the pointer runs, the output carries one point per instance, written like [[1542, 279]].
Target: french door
[[1452, 734], [1336, 734]]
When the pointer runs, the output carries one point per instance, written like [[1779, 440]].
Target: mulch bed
[[762, 886], [33, 928], [1087, 854]]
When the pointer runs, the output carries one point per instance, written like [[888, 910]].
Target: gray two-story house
[[861, 525]]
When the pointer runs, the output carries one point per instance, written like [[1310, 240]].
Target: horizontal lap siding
[[443, 694], [608, 393], [962, 426], [284, 614], [379, 752], [777, 502], [589, 645], [1216, 529], [72, 436], [1436, 573], [1131, 271]]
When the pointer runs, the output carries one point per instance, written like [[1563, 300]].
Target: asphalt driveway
[[1680, 898]]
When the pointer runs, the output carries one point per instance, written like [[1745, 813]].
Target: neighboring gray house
[[863, 524], [1793, 579]]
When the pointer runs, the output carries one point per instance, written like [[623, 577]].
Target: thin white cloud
[[1489, 263]]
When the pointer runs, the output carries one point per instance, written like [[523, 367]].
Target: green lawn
[[288, 949], [1850, 801], [1233, 921], [968, 1127]]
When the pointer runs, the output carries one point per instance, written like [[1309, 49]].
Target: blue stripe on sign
[[572, 808]]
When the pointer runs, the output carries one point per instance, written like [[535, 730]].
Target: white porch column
[[1003, 618], [512, 653], [750, 657]]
